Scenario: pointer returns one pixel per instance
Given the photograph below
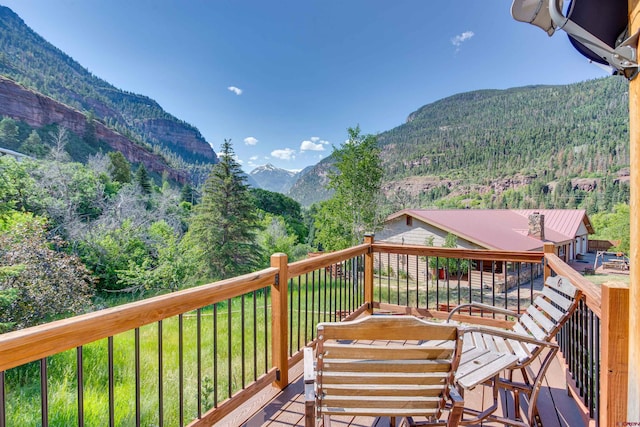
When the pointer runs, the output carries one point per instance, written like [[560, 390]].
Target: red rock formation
[[38, 110]]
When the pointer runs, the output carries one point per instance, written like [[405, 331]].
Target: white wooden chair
[[379, 366], [531, 338]]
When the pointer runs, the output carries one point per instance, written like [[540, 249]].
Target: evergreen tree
[[8, 132], [143, 180], [223, 229], [90, 135], [33, 145], [119, 168], [188, 194]]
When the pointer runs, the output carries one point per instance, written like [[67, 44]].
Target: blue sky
[[284, 79]]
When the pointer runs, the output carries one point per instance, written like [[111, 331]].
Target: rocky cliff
[[27, 58], [38, 110]]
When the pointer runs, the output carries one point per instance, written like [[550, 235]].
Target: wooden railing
[[595, 345], [294, 298]]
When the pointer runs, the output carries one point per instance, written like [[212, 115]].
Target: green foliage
[[286, 207], [331, 231], [42, 284], [352, 211], [16, 186], [451, 265], [119, 167], [223, 228], [107, 252], [273, 238], [33, 145], [66, 193], [8, 132], [143, 180], [613, 226], [166, 266], [188, 194]]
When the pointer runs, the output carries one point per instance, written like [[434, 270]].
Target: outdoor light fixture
[[598, 29]]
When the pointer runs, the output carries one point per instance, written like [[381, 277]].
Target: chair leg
[[309, 413], [537, 384]]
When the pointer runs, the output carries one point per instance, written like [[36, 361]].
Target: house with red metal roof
[[498, 229]]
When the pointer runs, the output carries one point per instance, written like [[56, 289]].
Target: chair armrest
[[508, 335], [455, 396], [309, 375], [483, 307]]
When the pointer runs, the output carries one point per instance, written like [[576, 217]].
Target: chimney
[[536, 226]]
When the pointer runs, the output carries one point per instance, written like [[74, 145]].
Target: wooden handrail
[[474, 254], [308, 265], [27, 345]]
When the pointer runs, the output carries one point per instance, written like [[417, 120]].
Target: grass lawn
[[599, 279]]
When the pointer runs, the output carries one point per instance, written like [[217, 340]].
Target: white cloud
[[461, 38], [253, 158], [311, 146], [284, 154], [235, 90], [250, 140]]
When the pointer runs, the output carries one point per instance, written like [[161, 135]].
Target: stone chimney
[[536, 226]]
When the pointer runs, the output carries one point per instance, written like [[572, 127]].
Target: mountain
[[531, 145], [269, 177], [36, 66], [310, 185]]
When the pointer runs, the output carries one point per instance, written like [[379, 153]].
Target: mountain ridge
[[32, 62], [272, 178], [485, 148]]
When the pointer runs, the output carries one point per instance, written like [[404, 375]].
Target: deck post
[[368, 273], [549, 248], [280, 320], [633, 392], [614, 357]]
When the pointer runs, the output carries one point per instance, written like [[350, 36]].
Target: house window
[[409, 221]]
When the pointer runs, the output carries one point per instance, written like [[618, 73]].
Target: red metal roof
[[502, 229]]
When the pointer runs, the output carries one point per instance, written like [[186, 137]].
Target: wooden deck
[[270, 408]]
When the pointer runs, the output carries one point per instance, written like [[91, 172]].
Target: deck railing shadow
[[194, 356]]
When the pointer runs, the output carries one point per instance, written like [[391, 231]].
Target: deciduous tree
[[38, 283], [353, 209]]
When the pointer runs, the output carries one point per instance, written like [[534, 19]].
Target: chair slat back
[[381, 366], [550, 310]]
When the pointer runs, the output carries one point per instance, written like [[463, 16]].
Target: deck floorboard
[[556, 407]]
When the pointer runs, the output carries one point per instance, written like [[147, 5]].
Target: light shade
[[598, 29], [534, 12]]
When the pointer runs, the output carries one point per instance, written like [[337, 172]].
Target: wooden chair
[[379, 366], [531, 336]]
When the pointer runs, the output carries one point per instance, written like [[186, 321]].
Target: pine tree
[[143, 180], [8, 132], [225, 223], [33, 145], [119, 167]]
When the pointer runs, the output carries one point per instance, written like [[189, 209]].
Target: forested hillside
[[31, 61], [537, 146], [567, 130]]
